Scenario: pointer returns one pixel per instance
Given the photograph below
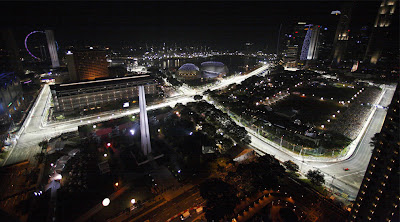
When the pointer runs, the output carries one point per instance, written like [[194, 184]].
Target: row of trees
[[222, 195], [316, 177], [221, 120]]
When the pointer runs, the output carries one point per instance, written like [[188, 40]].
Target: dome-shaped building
[[212, 69], [188, 71]]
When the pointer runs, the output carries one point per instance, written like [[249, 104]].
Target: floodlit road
[[36, 129]]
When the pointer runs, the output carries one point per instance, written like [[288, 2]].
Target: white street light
[[106, 202], [133, 201]]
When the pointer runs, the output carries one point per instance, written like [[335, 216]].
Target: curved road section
[[36, 129]]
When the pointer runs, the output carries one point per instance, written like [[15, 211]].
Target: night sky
[[214, 23]]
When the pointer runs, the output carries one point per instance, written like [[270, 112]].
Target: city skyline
[[222, 24], [199, 111]]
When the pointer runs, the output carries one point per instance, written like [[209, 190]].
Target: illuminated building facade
[[188, 71], [309, 49], [212, 69], [378, 198], [294, 43], [10, 96], [81, 96], [381, 36], [87, 65]]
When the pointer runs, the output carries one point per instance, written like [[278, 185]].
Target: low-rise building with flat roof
[[97, 93]]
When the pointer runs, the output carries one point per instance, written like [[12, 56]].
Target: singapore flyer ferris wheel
[[35, 45]]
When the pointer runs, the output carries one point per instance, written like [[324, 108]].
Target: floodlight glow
[[106, 202]]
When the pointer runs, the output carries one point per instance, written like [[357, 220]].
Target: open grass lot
[[311, 109], [328, 92]]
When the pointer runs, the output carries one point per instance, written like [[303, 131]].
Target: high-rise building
[[52, 48], [309, 50], [378, 198], [382, 39], [358, 46], [9, 53], [342, 34], [11, 97], [87, 65], [293, 44]]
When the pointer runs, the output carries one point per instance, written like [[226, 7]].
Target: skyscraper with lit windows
[[342, 34], [87, 65], [381, 35]]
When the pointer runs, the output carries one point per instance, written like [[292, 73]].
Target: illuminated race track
[[36, 129]]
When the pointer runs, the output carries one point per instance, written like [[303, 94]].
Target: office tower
[[342, 34], [358, 46], [52, 48], [309, 50], [382, 39], [378, 197], [293, 44], [9, 53], [87, 65], [11, 97], [325, 44]]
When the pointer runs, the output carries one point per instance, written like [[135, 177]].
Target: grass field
[[328, 92], [310, 109]]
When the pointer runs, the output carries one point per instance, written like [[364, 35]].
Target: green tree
[[198, 97], [221, 199], [290, 165], [315, 177], [44, 144]]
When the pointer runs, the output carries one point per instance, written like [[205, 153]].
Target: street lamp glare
[[106, 202], [133, 201]]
